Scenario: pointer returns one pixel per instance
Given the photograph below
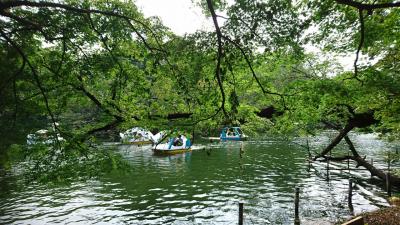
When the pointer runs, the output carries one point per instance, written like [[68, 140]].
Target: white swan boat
[[176, 145], [137, 136], [43, 136]]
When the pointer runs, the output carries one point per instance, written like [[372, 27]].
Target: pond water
[[204, 187]]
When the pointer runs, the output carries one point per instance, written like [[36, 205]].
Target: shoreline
[[383, 216]]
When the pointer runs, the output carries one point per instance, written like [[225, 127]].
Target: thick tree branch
[[360, 45], [92, 97], [351, 146], [6, 5], [254, 73], [107, 126], [252, 29], [364, 6], [143, 39], [359, 120], [207, 118], [250, 66], [64, 52], [361, 7], [30, 24], [372, 169], [219, 54], [362, 36], [98, 103], [39, 93], [335, 141]]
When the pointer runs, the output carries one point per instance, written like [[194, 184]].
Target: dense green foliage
[[94, 66]]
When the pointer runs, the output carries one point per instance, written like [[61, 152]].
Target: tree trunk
[[395, 180], [358, 120], [335, 141]]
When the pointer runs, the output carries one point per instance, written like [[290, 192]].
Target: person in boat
[[138, 137], [178, 141], [229, 132]]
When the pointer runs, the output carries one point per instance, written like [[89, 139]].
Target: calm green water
[[201, 187]]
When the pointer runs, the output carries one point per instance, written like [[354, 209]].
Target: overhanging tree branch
[[365, 6], [360, 45], [30, 24], [251, 67], [361, 7], [219, 54], [97, 102], [6, 5], [121, 70], [36, 77]]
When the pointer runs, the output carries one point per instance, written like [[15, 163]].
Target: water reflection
[[199, 187]]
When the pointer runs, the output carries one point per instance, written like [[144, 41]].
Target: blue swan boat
[[232, 134]]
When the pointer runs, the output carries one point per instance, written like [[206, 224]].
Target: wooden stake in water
[[240, 213], [388, 185], [350, 192], [350, 197], [241, 149], [327, 170], [296, 206], [372, 163], [193, 134]]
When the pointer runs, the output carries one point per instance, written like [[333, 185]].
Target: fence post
[[241, 150], [240, 213], [327, 170], [372, 163], [350, 191], [350, 197], [388, 185], [308, 149], [296, 207], [348, 161]]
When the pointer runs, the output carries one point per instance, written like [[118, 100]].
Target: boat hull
[[233, 138], [137, 142], [171, 151]]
